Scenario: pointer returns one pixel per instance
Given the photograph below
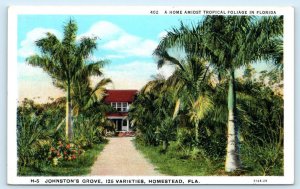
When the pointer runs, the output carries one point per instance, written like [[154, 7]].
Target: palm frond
[[99, 88], [176, 109], [86, 46], [50, 45], [70, 31], [165, 58], [48, 65], [200, 107]]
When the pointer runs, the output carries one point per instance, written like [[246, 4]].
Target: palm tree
[[190, 83], [142, 113], [66, 62], [153, 112], [161, 108], [228, 43]]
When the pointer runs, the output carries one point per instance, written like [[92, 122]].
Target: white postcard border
[[14, 11]]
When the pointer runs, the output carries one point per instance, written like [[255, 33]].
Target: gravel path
[[120, 158]]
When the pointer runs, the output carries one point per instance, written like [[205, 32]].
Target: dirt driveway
[[120, 158]]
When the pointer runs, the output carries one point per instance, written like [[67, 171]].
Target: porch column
[[127, 124]]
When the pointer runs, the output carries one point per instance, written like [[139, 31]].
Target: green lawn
[[171, 163], [80, 166], [175, 163]]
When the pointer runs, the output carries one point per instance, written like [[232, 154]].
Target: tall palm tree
[[66, 61], [228, 43]]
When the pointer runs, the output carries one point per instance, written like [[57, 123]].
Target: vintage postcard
[[150, 95]]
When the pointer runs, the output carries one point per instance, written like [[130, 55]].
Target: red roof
[[120, 96]]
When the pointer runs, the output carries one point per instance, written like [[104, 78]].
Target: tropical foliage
[[67, 63], [41, 139], [215, 115], [213, 112]]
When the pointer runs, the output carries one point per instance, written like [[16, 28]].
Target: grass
[[175, 163], [80, 166], [171, 163]]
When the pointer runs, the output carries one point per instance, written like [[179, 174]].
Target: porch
[[121, 124]]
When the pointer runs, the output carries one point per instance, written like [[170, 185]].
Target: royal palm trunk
[[69, 131], [232, 153]]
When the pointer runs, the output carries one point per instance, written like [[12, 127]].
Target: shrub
[[35, 131], [87, 133], [29, 131], [185, 137], [266, 159], [64, 151], [165, 132]]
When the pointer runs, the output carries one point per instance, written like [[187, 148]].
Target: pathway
[[120, 158]]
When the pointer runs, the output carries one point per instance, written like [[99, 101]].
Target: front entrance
[[121, 124]]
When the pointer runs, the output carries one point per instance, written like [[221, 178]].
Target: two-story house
[[120, 100]]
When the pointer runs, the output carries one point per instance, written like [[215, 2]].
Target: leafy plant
[[213, 106], [64, 151], [86, 132]]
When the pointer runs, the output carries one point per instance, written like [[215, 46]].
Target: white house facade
[[120, 100]]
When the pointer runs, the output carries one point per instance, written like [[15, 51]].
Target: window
[[120, 106], [124, 107]]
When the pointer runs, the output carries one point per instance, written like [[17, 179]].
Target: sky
[[127, 41]]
